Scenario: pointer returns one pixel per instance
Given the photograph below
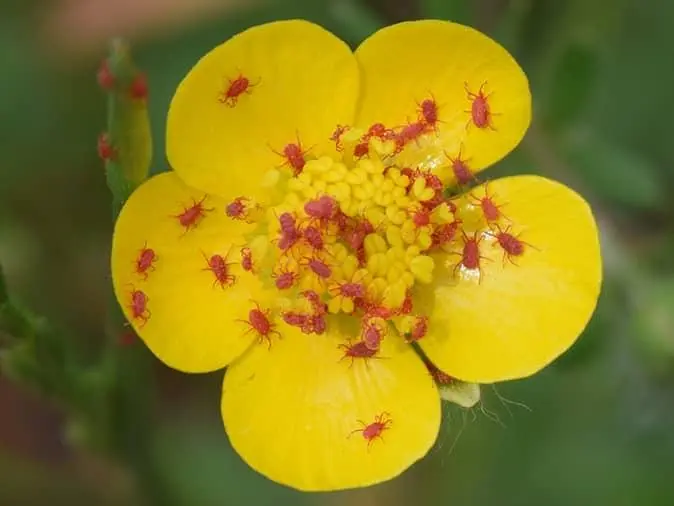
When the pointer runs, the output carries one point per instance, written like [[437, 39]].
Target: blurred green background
[[600, 430]]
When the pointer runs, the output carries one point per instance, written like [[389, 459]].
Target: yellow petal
[[407, 63], [303, 81], [190, 317], [508, 321], [292, 412]]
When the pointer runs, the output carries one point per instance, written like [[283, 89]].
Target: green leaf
[[460, 11], [573, 82], [615, 173]]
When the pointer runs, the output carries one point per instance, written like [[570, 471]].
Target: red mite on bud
[[105, 150], [138, 88], [104, 76]]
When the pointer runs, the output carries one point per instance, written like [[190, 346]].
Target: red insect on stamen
[[259, 322], [235, 88], [408, 133], [323, 209], [491, 211], [374, 310], [296, 319], [460, 168], [373, 333], [191, 216], [444, 233], [318, 267], [336, 136], [247, 259], [356, 350], [361, 149], [419, 329], [512, 245], [375, 429], [294, 156], [407, 305], [314, 238], [218, 265], [284, 278], [481, 115], [379, 131], [138, 306], [105, 149], [349, 290], [145, 261], [238, 209], [421, 217], [317, 324], [319, 307]]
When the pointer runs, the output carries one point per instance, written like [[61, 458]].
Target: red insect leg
[[247, 259], [470, 255], [336, 136], [419, 329], [428, 113], [284, 278], [373, 333], [238, 209], [511, 244], [294, 156], [480, 111]]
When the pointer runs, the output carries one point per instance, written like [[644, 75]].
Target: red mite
[[421, 217], [104, 76], [288, 223], [460, 168], [320, 268], [336, 136], [470, 257], [145, 261], [490, 210], [313, 236], [237, 209], [138, 87], [105, 150], [351, 290], [380, 131], [247, 259], [323, 208], [481, 114], [372, 334], [408, 304], [445, 233], [428, 112], [419, 329], [258, 321], [408, 133], [285, 279], [357, 350], [319, 307], [235, 89], [219, 266], [190, 217], [294, 156], [375, 429], [138, 306], [512, 246], [361, 149]]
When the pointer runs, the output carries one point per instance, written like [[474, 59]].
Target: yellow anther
[[353, 135], [377, 243], [402, 181], [411, 252], [359, 193], [384, 148], [386, 199], [408, 232], [394, 295], [388, 185], [393, 236], [424, 239], [398, 192], [419, 186], [442, 214], [403, 201], [342, 191], [295, 184], [305, 177], [393, 173], [408, 279], [336, 173], [373, 263], [394, 273], [427, 194], [335, 305], [405, 324], [319, 186], [369, 188], [371, 166], [347, 305], [349, 266], [375, 215], [376, 288], [378, 180], [355, 177], [422, 268]]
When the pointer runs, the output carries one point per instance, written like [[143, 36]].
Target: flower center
[[353, 236]]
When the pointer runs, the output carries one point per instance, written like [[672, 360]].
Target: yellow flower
[[305, 239]]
